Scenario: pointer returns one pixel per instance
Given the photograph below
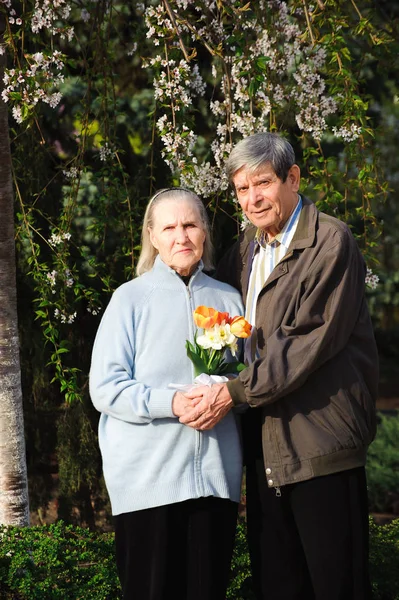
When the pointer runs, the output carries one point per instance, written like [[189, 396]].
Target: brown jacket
[[315, 382]]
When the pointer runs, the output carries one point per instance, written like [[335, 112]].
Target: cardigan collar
[[162, 268]]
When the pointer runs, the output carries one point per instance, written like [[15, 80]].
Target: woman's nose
[[181, 234]]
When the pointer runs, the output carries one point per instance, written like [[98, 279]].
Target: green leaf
[[261, 62], [199, 365], [232, 367], [62, 350]]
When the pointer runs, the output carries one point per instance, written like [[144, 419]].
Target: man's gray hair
[[255, 150], [148, 252]]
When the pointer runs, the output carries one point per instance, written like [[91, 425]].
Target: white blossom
[[69, 280], [52, 278], [53, 99], [38, 58], [65, 318], [347, 133], [17, 113], [85, 15], [72, 173], [105, 152], [56, 238], [34, 82], [245, 222], [132, 49], [371, 279]]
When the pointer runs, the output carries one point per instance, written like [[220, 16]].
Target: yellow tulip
[[240, 327]]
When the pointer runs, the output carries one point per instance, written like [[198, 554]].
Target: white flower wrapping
[[202, 379]]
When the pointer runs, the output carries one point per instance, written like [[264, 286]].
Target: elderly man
[[310, 384]]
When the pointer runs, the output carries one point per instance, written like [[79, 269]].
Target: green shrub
[[383, 466], [57, 561], [240, 587], [66, 562], [384, 563], [384, 560]]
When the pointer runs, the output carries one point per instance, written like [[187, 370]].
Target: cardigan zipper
[[198, 434]]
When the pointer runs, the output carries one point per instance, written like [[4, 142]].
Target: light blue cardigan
[[149, 457]]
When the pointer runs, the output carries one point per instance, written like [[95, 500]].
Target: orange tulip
[[223, 316], [205, 317], [240, 327]]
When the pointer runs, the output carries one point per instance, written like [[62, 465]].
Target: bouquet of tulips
[[220, 332]]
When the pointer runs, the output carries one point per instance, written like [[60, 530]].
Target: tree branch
[[172, 18], [308, 21]]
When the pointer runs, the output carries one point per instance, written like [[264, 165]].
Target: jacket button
[[270, 482], [268, 471]]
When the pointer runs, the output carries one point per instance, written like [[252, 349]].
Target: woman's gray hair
[[255, 150], [148, 253]]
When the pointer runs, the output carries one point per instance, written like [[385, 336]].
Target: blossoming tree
[[271, 65], [110, 100]]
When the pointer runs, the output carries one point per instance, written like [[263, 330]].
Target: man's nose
[[254, 194]]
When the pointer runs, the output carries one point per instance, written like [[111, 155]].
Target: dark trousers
[[179, 551], [312, 542]]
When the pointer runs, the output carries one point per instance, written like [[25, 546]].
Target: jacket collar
[[306, 231]]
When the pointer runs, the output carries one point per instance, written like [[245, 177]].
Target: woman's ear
[[153, 238]]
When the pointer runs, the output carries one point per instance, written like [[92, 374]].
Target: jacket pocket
[[314, 434], [353, 414]]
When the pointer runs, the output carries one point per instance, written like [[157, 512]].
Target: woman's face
[[178, 234]]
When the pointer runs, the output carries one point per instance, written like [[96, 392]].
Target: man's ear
[[294, 176]]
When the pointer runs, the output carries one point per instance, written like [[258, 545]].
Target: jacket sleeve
[[113, 387], [328, 303]]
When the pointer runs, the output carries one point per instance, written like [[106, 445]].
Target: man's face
[[265, 199]]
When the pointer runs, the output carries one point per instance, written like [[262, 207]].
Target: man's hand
[[208, 410]]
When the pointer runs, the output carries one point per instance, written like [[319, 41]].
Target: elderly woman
[[174, 490]]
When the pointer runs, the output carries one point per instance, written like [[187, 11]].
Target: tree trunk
[[14, 505]]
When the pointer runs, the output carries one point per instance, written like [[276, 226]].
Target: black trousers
[[179, 551], [312, 542]]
